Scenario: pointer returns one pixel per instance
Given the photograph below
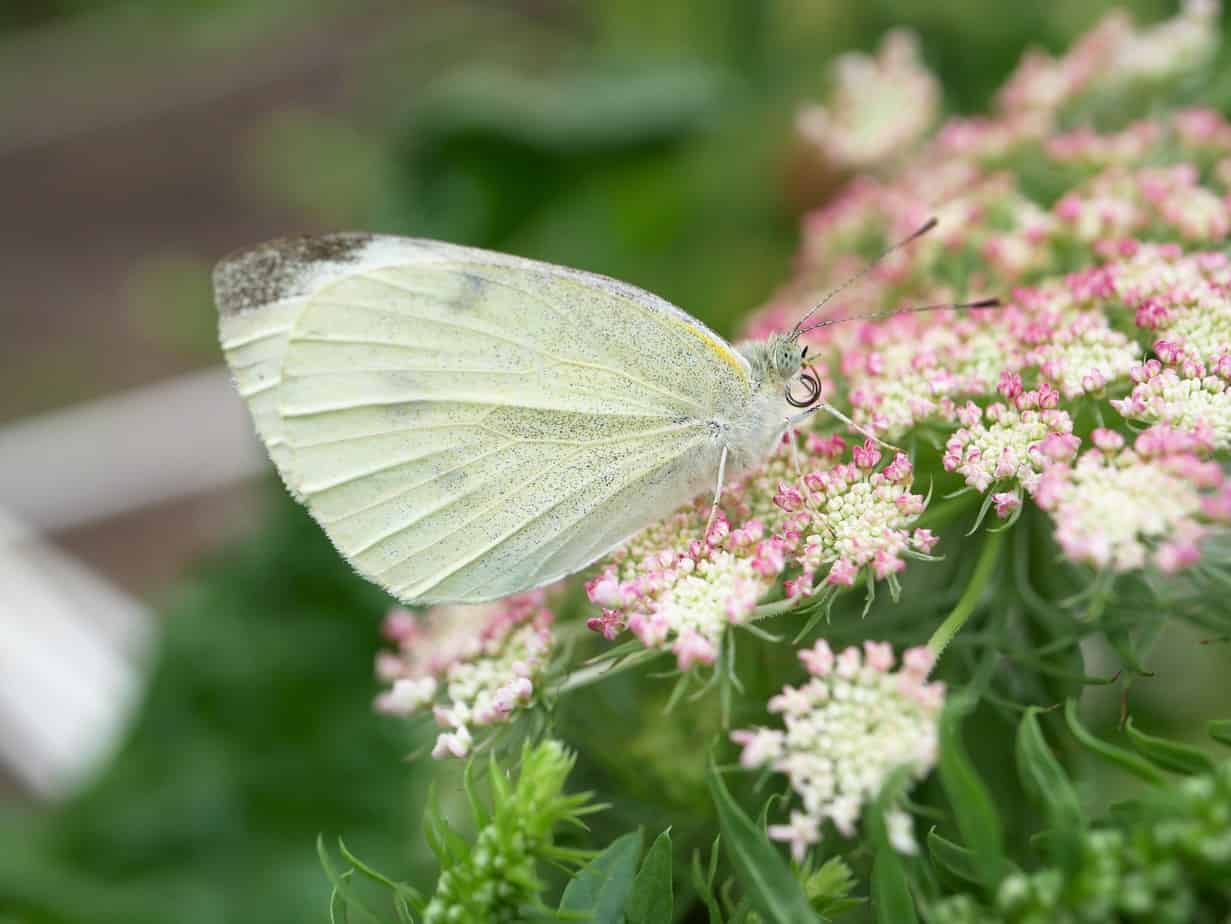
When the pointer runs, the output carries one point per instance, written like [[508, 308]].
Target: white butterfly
[[466, 425]]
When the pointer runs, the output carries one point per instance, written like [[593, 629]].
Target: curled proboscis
[[812, 388]]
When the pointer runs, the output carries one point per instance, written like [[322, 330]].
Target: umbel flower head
[[472, 665], [1116, 292], [878, 108], [828, 524], [854, 722]]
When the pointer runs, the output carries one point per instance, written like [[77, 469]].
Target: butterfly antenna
[[981, 303], [913, 236]]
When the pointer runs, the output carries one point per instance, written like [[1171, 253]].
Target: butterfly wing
[[465, 424]]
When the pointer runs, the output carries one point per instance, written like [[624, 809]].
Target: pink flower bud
[[842, 573], [818, 660], [1107, 440], [867, 455], [1010, 386], [1006, 502], [400, 625], [691, 648], [789, 497]]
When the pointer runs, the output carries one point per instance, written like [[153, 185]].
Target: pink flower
[[1006, 502], [867, 455], [819, 659], [789, 497], [399, 625], [609, 625], [878, 655], [1107, 440], [842, 573], [692, 648], [801, 833]]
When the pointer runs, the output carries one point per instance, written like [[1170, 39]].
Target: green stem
[[985, 567]]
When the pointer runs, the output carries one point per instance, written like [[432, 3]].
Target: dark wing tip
[[248, 279]]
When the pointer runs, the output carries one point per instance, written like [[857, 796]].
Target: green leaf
[[349, 901], [1170, 755], [602, 886], [956, 859], [891, 898], [973, 808], [1046, 781], [829, 888], [768, 882], [1220, 730], [703, 881], [1122, 758], [652, 901]]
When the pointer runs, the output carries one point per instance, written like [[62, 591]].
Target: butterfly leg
[[789, 433], [722, 477], [830, 409]]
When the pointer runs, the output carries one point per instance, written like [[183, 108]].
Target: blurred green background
[[139, 141]]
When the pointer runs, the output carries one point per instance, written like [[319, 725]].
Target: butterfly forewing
[[465, 424]]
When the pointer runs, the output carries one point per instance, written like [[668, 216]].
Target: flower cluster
[[1182, 300], [1119, 507], [1116, 309], [1009, 444], [474, 665], [1184, 395], [681, 582], [1111, 57], [878, 108], [855, 722]]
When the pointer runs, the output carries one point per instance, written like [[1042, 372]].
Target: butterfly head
[[780, 363]]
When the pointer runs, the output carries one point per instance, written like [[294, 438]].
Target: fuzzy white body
[[465, 425]]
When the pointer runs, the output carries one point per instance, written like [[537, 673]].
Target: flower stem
[[985, 567]]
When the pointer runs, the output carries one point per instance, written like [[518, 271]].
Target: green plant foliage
[[652, 897], [972, 805], [770, 886], [1165, 857], [601, 888]]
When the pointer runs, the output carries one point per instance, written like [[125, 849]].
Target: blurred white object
[[72, 652], [73, 646], [132, 450]]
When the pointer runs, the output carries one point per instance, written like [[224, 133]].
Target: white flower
[[847, 730], [484, 659], [801, 834]]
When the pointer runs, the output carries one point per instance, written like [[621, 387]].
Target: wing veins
[[545, 470], [406, 490], [526, 524], [349, 479]]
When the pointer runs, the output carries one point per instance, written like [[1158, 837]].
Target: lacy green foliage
[[496, 877], [1164, 857]]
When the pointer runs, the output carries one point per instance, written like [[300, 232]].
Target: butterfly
[[465, 424]]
